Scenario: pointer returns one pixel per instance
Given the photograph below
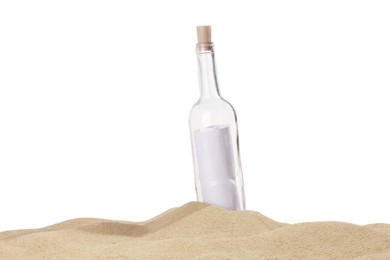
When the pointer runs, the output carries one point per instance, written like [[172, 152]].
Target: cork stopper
[[204, 34], [204, 39]]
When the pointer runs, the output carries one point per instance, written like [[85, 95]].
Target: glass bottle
[[214, 136]]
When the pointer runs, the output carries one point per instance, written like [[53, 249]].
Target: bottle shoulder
[[212, 107], [212, 104]]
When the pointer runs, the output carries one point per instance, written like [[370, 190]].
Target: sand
[[198, 231]]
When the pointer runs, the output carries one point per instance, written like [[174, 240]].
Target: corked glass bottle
[[214, 136]]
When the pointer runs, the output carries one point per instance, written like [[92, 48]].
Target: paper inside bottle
[[214, 152]]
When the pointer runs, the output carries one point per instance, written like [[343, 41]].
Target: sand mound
[[198, 231]]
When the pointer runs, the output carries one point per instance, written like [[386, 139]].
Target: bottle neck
[[208, 82]]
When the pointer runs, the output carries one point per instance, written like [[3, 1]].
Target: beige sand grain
[[198, 231]]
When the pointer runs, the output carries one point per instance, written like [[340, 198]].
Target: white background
[[95, 97]]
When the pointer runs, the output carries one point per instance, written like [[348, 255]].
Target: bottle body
[[216, 157]]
